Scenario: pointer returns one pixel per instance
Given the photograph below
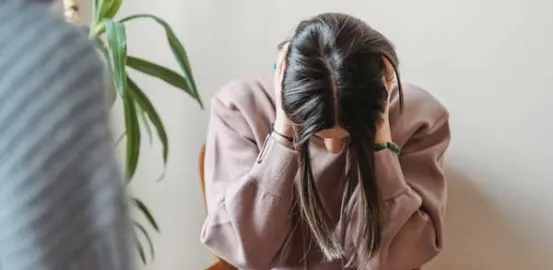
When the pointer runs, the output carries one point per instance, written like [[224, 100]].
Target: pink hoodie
[[249, 186]]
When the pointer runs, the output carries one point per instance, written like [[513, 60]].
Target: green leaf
[[133, 135], [178, 51], [95, 4], [117, 50], [145, 121], [147, 236], [98, 29], [160, 72], [110, 8], [150, 110], [146, 212], [140, 250]]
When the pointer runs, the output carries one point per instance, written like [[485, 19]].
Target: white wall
[[488, 61]]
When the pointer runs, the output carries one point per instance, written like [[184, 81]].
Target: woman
[[311, 177]]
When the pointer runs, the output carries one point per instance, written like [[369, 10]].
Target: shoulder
[[420, 102], [421, 111], [245, 104], [52, 44], [44, 31], [252, 97], [244, 92], [48, 56]]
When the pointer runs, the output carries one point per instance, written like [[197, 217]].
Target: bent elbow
[[225, 245]]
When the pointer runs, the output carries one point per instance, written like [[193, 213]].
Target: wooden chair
[[220, 264]]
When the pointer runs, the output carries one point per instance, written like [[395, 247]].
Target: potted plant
[[110, 37]]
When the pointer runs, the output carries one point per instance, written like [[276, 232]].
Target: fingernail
[[274, 66]]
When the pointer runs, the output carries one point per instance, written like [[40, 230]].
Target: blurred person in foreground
[[62, 202]]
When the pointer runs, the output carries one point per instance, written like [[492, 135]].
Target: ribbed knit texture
[[62, 202]]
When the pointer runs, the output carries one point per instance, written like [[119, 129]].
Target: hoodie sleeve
[[413, 188], [248, 190]]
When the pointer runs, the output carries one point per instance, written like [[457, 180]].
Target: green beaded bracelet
[[387, 145]]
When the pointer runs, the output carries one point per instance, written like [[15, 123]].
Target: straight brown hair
[[333, 76]]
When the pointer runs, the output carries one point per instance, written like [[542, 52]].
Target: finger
[[281, 64], [281, 56], [283, 50], [389, 76]]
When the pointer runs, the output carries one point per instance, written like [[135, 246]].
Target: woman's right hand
[[282, 125], [383, 133]]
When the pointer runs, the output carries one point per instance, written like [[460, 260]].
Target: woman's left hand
[[384, 134]]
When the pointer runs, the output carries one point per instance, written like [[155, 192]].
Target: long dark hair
[[334, 76]]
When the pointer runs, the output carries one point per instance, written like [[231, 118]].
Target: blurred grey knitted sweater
[[62, 204]]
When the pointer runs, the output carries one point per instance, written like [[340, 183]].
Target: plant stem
[[95, 19]]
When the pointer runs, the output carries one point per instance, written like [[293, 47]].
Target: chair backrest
[[201, 158], [220, 264]]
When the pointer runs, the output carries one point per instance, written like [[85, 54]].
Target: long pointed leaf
[[147, 236], [146, 212], [117, 44], [160, 72], [178, 51], [133, 135], [95, 11], [98, 29], [140, 250], [110, 8], [150, 110], [145, 121]]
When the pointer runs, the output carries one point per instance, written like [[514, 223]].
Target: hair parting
[[333, 77]]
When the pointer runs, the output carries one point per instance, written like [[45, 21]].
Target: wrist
[[388, 145], [281, 133], [282, 140], [384, 134], [283, 127]]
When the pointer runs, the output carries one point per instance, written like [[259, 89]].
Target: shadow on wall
[[478, 237]]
